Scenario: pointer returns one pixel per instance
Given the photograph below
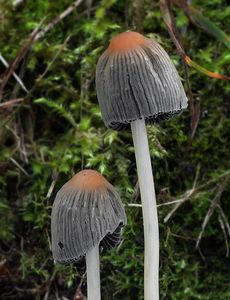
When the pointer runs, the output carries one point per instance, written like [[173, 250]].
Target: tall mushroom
[[86, 212], [137, 83]]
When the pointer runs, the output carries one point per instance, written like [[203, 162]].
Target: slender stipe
[[149, 208], [93, 274]]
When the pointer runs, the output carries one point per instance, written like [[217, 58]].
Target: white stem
[[93, 274], [149, 208]]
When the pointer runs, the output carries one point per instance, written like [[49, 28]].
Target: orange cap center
[[87, 180], [126, 41]]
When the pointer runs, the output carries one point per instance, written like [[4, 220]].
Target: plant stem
[[93, 274], [149, 209]]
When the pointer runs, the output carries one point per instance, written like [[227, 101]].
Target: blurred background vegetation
[[51, 127]]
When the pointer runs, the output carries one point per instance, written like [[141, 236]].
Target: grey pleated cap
[[136, 79], [87, 211]]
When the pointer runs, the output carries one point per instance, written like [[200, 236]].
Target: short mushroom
[[86, 212], [137, 83]]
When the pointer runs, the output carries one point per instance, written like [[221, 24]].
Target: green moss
[[59, 129]]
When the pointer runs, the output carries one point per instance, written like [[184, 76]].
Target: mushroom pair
[[137, 83], [86, 213]]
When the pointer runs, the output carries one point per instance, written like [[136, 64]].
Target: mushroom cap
[[136, 79], [86, 211]]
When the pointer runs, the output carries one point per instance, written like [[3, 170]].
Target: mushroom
[[87, 212], [137, 83]]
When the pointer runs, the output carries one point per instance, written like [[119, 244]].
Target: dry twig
[[22, 52], [5, 63], [19, 166], [224, 218], [136, 193], [54, 180], [59, 18], [186, 196], [11, 103], [78, 294], [191, 193], [53, 60], [211, 210], [138, 5], [222, 226], [51, 279]]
